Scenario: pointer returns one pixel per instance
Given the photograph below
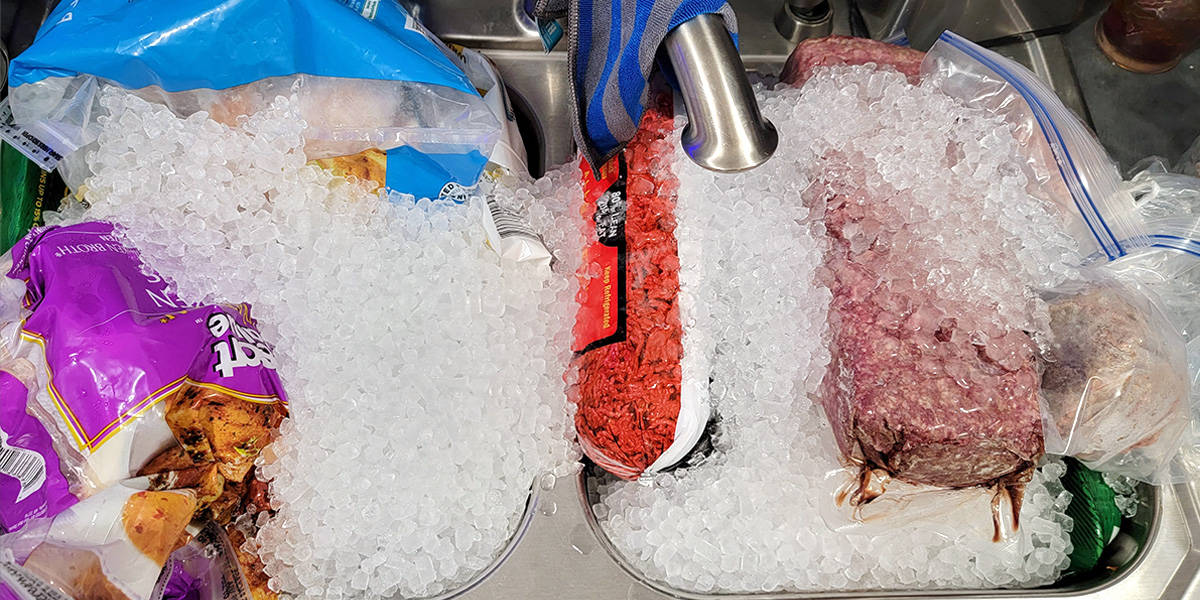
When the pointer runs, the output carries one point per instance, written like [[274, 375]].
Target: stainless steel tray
[[559, 551], [564, 555]]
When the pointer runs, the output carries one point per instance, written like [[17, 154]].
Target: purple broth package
[[116, 351], [31, 483]]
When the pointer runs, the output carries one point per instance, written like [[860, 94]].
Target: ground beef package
[[844, 50], [642, 404]]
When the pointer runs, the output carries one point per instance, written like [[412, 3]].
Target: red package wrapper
[[634, 415]]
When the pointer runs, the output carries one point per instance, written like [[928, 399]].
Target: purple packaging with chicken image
[[112, 346]]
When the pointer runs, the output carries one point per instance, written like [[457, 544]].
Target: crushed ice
[[425, 395], [749, 519], [425, 376]]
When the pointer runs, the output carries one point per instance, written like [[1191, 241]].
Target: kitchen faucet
[[725, 130]]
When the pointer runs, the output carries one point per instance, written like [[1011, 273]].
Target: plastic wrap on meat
[[844, 50], [1115, 381], [910, 392]]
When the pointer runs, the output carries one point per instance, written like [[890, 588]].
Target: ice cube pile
[[1125, 492], [749, 519], [425, 376]]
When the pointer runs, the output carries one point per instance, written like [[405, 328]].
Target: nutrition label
[[28, 144]]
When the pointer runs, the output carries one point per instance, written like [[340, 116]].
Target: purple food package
[[31, 483], [179, 584], [113, 342], [206, 568]]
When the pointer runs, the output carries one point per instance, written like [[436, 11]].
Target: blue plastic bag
[[368, 75]]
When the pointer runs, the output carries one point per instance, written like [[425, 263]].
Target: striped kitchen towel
[[613, 45]]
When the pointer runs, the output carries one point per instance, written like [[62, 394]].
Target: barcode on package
[[509, 223], [26, 586], [26, 143], [25, 466]]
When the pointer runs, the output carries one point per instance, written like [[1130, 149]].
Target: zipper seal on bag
[[1175, 242], [1110, 245]]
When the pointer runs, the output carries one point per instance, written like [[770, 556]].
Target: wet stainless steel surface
[[539, 85], [801, 19], [725, 130], [979, 20], [562, 554]]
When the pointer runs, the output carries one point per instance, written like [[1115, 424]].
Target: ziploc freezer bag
[[368, 75], [120, 360], [1115, 380], [1067, 165]]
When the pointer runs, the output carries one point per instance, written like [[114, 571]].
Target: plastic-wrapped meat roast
[[894, 392], [843, 50], [910, 390]]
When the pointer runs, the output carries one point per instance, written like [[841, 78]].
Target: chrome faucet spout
[[725, 130]]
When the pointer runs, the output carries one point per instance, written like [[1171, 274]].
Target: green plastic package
[[25, 192], [1094, 510]]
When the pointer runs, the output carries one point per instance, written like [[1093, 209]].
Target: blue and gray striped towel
[[613, 45]]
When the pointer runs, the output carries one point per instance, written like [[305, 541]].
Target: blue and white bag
[[367, 74]]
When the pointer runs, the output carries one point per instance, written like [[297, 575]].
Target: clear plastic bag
[[870, 502], [1168, 274], [1115, 381], [1160, 193], [111, 545], [206, 568], [1115, 386], [33, 484], [124, 367], [369, 79], [1067, 166], [1189, 163]]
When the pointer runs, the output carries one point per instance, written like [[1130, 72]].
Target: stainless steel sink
[[560, 552], [540, 88], [563, 554]]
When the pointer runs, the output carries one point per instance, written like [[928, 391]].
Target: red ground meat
[[628, 392], [843, 50]]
